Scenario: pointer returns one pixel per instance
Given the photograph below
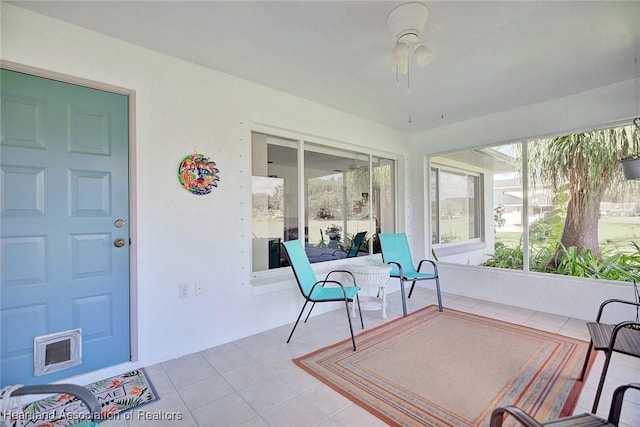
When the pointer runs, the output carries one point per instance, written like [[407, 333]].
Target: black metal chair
[[584, 420], [358, 240], [88, 398], [621, 338]]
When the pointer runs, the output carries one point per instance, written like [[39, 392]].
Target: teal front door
[[64, 229]]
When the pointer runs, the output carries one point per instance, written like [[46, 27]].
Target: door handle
[[118, 243]]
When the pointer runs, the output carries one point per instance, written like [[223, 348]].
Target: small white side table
[[371, 273]]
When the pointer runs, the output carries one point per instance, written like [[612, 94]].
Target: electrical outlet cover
[[183, 290], [199, 288]]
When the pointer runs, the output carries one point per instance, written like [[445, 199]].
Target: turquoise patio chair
[[358, 240], [314, 290], [395, 251]]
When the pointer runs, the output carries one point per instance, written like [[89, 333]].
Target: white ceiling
[[489, 56]]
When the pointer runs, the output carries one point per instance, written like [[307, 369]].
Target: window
[[590, 222], [343, 193], [274, 189], [337, 199], [558, 205], [456, 206], [477, 203]]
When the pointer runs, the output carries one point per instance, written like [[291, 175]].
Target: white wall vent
[[55, 352]]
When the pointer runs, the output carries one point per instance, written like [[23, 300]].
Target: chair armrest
[[525, 419], [323, 282], [433, 265], [353, 278], [616, 402], [627, 347], [78, 391], [613, 300], [401, 273]]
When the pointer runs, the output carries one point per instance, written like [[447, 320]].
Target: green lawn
[[614, 232]]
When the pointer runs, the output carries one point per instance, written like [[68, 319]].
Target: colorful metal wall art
[[197, 174]]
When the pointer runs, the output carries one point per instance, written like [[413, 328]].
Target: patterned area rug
[[452, 369], [116, 395]]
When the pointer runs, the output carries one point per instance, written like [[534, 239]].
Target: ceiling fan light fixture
[[407, 18], [409, 37], [400, 68], [400, 53], [406, 23], [423, 55]]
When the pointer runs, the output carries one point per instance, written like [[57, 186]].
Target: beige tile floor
[[253, 382]]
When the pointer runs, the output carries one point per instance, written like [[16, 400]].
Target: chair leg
[[438, 292], [353, 339], [601, 383], [404, 299], [309, 313], [586, 361], [360, 311], [616, 402], [297, 320], [411, 290]]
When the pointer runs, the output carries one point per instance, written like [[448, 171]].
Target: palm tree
[[587, 165]]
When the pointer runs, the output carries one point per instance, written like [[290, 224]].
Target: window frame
[[301, 141], [528, 188], [462, 246]]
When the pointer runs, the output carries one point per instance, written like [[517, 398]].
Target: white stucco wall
[[181, 238]]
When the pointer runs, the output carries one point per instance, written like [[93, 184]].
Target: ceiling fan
[[406, 23]]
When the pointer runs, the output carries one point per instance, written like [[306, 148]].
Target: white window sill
[[455, 249]]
